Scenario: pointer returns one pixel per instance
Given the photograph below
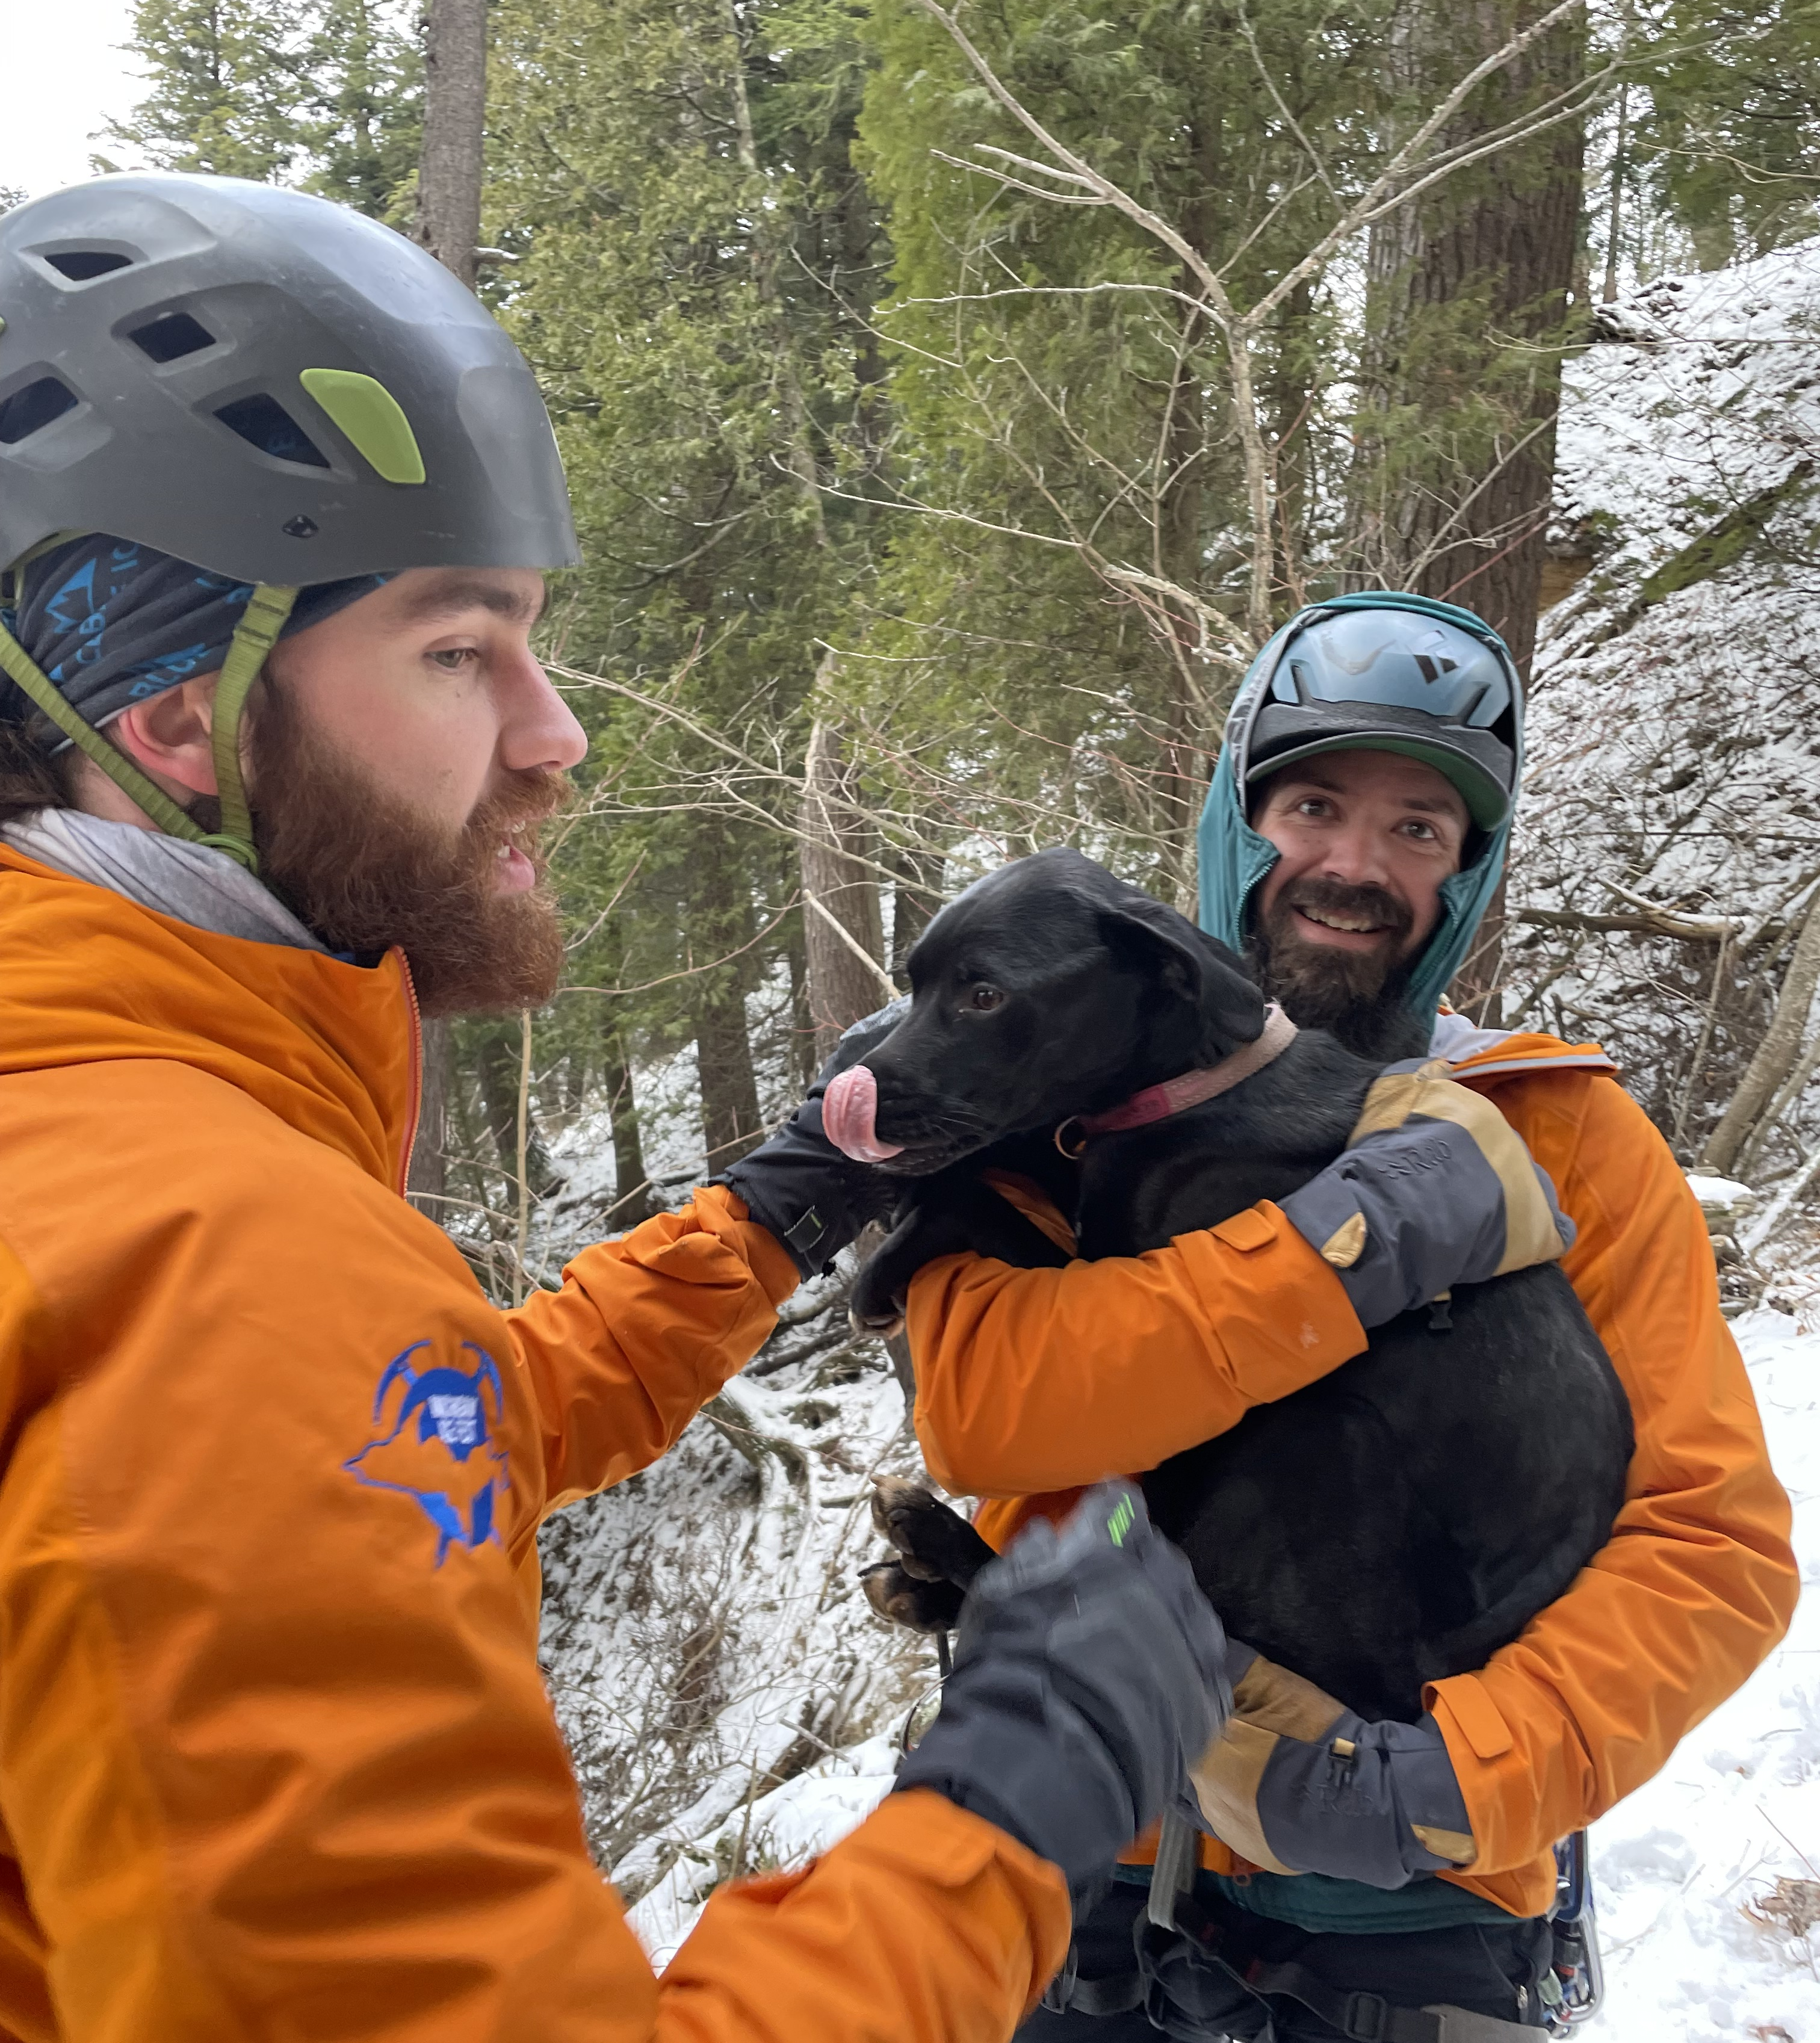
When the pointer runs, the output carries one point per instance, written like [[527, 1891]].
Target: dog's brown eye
[[984, 998]]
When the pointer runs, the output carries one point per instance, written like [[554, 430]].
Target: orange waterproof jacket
[[276, 1759], [1030, 1383]]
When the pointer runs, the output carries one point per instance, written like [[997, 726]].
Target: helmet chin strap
[[253, 639]]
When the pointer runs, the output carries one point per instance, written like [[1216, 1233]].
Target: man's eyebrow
[[447, 599]]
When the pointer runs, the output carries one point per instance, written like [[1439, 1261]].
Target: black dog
[[1392, 1524]]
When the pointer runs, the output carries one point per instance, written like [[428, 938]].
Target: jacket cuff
[[719, 1211]]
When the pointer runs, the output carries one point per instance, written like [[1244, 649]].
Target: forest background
[[952, 401]]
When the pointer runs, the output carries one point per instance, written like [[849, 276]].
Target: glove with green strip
[[1089, 1675]]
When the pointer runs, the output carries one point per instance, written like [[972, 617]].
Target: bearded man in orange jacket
[[1352, 837], [275, 1758]]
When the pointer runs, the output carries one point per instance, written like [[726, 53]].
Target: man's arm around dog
[[1696, 1584]]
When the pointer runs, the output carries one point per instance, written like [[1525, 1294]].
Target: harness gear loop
[[253, 639]]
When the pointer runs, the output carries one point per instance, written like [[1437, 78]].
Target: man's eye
[[455, 657], [1421, 830], [983, 999]]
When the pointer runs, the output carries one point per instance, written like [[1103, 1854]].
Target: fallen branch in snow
[[1647, 922]]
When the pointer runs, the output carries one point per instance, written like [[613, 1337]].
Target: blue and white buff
[[111, 622]]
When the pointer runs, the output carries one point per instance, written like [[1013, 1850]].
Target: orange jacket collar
[[87, 977]]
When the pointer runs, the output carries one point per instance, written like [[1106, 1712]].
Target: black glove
[[798, 1186], [1090, 1674], [1437, 1190]]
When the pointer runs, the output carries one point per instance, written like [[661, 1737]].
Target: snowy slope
[[1677, 1866], [1672, 738]]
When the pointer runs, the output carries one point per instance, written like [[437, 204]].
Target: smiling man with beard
[[276, 1759], [1352, 837]]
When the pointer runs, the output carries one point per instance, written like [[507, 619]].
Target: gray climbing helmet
[[265, 384]]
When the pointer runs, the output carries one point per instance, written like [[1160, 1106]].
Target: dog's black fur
[[1392, 1524]]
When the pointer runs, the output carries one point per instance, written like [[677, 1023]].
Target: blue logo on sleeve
[[439, 1446]]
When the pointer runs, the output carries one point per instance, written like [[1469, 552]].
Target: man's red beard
[[365, 871]]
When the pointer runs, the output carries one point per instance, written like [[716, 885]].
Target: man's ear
[[170, 734], [1198, 968]]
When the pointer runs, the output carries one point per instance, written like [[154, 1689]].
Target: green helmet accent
[[372, 418], [267, 385]]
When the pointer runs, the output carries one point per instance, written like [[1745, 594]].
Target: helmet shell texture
[[158, 331]]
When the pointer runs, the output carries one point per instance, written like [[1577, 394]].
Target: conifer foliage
[[891, 434]]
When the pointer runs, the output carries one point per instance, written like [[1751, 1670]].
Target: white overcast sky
[[66, 79]]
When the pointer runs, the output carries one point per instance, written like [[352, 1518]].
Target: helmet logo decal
[[439, 1448]]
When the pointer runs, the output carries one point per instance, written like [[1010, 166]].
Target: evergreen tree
[[1728, 140], [229, 86], [696, 254]]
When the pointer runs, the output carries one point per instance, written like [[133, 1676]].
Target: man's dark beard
[[364, 871], [1356, 996]]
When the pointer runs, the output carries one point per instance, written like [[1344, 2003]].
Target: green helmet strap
[[253, 639]]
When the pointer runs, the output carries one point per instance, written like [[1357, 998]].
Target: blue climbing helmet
[[1377, 671]]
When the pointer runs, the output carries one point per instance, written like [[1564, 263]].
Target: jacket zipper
[[417, 1073]]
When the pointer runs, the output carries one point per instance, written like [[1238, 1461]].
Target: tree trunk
[[454, 122], [498, 1062], [1776, 1054], [1467, 287], [632, 1200], [720, 926], [429, 1180], [843, 931]]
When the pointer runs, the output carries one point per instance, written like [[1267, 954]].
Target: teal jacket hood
[[1234, 859]]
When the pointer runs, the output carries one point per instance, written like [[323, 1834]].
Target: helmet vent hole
[[171, 338], [264, 422], [29, 410], [80, 264]]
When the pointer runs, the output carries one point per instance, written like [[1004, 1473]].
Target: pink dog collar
[[1175, 1095]]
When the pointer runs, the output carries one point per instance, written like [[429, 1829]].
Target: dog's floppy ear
[[1212, 978]]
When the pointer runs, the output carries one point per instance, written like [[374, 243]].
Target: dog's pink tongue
[[849, 1108]]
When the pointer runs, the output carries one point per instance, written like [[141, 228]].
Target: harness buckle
[[1368, 2018]]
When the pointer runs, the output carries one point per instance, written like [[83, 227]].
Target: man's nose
[[538, 730], [1355, 856]]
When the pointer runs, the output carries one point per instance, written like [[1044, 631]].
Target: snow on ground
[[1678, 1867]]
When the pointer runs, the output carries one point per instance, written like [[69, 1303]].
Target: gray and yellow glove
[[1298, 1783], [1436, 1190]]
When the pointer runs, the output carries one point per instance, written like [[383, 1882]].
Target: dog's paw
[[873, 1308], [934, 1543], [901, 1599]]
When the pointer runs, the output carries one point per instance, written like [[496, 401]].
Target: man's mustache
[[517, 810], [1339, 900]]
